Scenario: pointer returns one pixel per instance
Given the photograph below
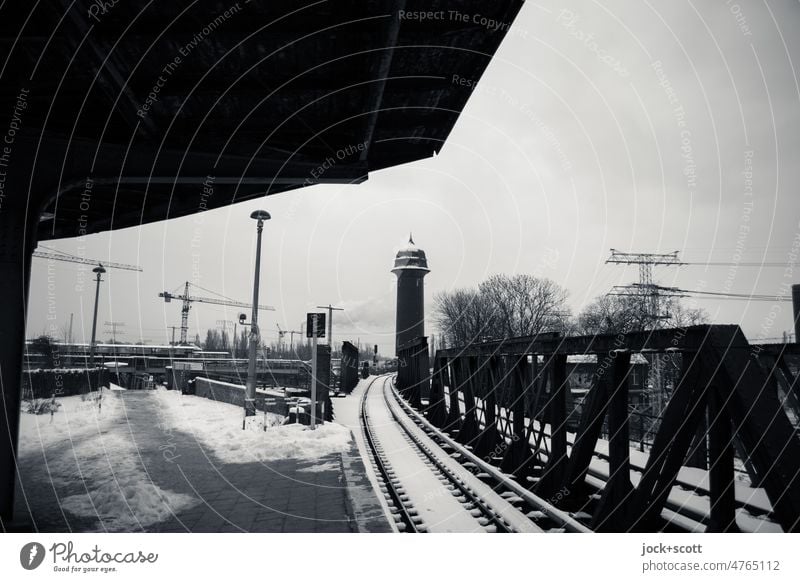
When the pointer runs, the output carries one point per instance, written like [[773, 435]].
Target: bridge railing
[[508, 400]]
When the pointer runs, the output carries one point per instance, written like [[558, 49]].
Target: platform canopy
[[132, 112], [116, 113]]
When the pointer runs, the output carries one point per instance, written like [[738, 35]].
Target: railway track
[[405, 517], [435, 485], [478, 485]]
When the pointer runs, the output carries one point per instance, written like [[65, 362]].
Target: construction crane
[[56, 255], [189, 299], [281, 335]]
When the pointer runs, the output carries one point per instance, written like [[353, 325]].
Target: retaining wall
[[234, 394]]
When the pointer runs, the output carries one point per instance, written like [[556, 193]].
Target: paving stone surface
[[329, 494]]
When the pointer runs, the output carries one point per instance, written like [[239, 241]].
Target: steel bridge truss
[[508, 401]]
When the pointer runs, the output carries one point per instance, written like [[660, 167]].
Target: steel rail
[[568, 522], [488, 512], [382, 466]]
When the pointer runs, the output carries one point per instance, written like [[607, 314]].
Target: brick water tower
[[410, 266]]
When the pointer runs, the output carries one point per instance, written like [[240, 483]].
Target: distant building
[[410, 266]]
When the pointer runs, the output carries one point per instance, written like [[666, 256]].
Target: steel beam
[[18, 219], [611, 514]]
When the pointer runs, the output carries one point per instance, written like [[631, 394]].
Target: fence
[[234, 394]]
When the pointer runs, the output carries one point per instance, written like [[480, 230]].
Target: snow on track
[[437, 502], [434, 502], [511, 515]]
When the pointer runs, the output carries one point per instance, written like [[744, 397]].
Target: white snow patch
[[219, 427], [124, 504], [319, 468]]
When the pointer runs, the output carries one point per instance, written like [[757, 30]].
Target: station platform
[[160, 478]]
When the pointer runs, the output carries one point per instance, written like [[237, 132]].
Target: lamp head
[[260, 215], [99, 269]]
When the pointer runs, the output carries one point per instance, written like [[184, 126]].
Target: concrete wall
[[234, 394]]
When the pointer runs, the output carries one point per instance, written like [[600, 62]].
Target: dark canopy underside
[[139, 112]]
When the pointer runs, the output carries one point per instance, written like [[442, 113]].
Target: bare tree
[[681, 315], [462, 316], [502, 306], [612, 314], [525, 305]]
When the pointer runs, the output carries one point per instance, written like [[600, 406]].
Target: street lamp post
[[99, 270], [250, 391]]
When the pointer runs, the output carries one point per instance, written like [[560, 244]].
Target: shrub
[[41, 405]]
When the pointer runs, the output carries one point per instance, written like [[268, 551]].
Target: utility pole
[[99, 270], [330, 309], [649, 295], [314, 375], [113, 325], [173, 328]]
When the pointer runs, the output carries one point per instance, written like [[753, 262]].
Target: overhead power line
[[632, 290], [731, 264], [746, 296]]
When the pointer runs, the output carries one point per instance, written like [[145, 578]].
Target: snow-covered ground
[[219, 427], [88, 451], [85, 446]]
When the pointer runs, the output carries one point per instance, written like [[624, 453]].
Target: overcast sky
[[597, 125]]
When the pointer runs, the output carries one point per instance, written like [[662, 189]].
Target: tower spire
[[410, 238]]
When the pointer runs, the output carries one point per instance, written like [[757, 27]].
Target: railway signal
[[315, 325]]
